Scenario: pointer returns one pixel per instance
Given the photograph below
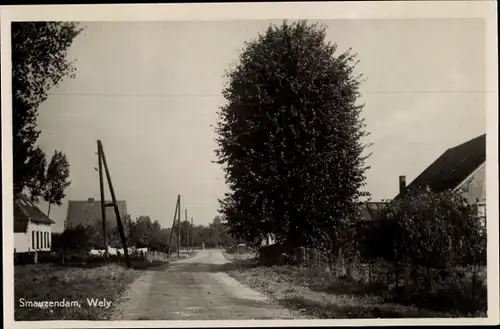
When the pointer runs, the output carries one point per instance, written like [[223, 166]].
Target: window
[[44, 239], [33, 239], [37, 240]]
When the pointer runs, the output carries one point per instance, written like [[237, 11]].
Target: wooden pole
[[177, 205], [192, 235], [103, 203], [187, 229], [179, 230], [117, 212]]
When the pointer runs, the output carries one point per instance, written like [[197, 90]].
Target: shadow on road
[[207, 268]]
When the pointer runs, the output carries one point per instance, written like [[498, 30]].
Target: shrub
[[435, 230]]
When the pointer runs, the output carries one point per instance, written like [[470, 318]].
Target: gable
[[474, 186]]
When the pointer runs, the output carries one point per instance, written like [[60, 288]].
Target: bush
[[436, 230]]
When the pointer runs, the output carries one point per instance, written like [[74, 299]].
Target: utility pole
[[192, 235], [103, 203], [179, 230], [114, 204], [177, 206], [187, 229]]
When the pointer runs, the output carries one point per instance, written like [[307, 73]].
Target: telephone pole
[[113, 204], [177, 206], [103, 203], [179, 230], [192, 237], [187, 229]]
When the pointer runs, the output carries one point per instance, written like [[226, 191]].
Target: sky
[[150, 91]]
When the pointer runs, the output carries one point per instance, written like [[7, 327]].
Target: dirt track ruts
[[195, 289]]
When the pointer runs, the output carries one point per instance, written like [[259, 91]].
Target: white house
[[270, 239], [32, 228]]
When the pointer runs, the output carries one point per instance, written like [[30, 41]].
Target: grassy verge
[[45, 282], [318, 296]]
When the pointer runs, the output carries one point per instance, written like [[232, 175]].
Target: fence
[[461, 288]]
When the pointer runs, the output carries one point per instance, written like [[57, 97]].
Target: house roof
[[89, 212], [453, 166], [370, 210], [25, 211]]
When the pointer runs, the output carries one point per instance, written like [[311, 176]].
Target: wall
[[23, 242], [474, 188]]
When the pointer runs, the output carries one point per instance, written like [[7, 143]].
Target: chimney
[[402, 185], [91, 200]]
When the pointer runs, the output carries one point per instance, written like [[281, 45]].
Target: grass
[[317, 294], [79, 280], [46, 282]]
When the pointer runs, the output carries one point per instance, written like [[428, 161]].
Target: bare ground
[[196, 289]]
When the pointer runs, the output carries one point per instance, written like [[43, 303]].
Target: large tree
[[290, 137], [39, 62], [56, 180]]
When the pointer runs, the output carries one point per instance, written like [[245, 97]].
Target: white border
[[250, 11]]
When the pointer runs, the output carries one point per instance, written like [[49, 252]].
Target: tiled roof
[[370, 211], [89, 212], [25, 211], [453, 166]]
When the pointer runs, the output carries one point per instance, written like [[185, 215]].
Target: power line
[[401, 92]]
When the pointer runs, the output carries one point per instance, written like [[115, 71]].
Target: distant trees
[[145, 233], [290, 138], [39, 62]]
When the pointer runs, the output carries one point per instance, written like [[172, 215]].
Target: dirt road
[[195, 289]]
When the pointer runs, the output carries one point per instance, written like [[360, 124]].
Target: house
[[459, 168], [32, 228], [89, 212], [370, 210], [270, 239]]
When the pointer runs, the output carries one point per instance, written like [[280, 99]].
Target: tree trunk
[[48, 212]]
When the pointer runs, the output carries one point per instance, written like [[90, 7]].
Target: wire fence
[[461, 288]]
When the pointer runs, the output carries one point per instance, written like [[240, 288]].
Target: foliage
[[433, 229], [39, 62], [76, 239], [56, 179], [290, 137]]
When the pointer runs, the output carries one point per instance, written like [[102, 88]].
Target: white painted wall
[[474, 186], [23, 242]]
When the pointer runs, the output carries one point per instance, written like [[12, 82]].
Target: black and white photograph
[[276, 167]]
